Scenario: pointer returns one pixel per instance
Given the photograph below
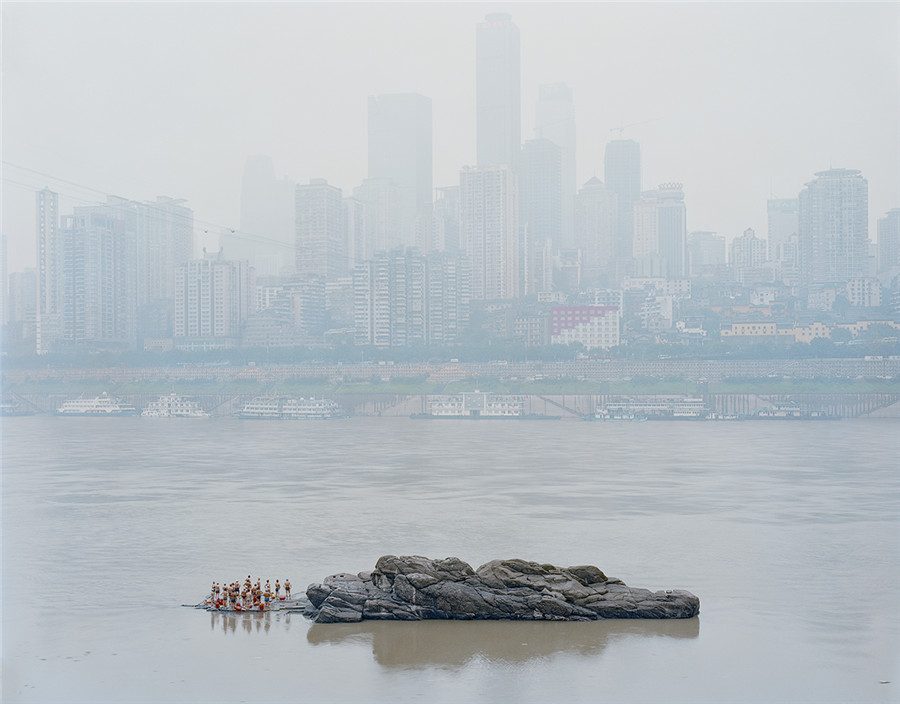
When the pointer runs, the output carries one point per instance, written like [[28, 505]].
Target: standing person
[[287, 588], [277, 589]]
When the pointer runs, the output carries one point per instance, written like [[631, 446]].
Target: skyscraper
[[555, 120], [622, 173], [783, 220], [266, 237], [747, 251], [596, 218], [834, 227], [672, 229], [540, 204], [381, 200], [49, 269], [400, 150], [489, 230], [889, 241], [497, 91], [321, 250]]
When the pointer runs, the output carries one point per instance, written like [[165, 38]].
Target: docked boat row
[[696, 409], [176, 406]]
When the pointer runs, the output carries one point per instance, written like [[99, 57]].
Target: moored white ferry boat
[[103, 406], [174, 406], [287, 408], [479, 405]]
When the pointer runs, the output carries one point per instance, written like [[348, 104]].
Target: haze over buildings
[[513, 216]]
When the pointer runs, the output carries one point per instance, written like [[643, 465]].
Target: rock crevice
[[414, 588]]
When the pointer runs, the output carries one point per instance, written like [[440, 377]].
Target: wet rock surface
[[413, 588]]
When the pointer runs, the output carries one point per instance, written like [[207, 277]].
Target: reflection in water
[[249, 622], [454, 643]]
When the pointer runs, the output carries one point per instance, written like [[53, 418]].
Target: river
[[789, 532]]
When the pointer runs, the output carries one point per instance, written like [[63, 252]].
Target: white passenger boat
[[287, 408], [103, 406], [174, 406]]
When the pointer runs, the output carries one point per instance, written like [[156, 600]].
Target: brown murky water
[[788, 532]]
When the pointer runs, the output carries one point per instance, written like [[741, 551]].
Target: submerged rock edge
[[416, 588]]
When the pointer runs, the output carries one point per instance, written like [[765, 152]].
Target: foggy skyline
[[739, 103]]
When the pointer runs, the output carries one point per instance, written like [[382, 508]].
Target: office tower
[[407, 298], [445, 220], [889, 241], [100, 276], [382, 215], [540, 204], [555, 120], [706, 254], [489, 230], [321, 250], [783, 220], [622, 174], [213, 298], [22, 296], [49, 270], [596, 219], [834, 227], [497, 91], [660, 232], [400, 151], [266, 235]]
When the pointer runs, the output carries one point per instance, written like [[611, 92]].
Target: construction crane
[[621, 128]]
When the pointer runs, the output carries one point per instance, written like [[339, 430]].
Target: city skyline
[[717, 119]]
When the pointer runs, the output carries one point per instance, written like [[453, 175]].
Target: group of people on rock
[[247, 596]]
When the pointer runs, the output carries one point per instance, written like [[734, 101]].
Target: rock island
[[413, 588]]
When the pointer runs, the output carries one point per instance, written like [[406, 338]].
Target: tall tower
[[834, 227], [49, 269], [400, 150], [540, 204], [672, 229], [889, 241], [595, 227], [622, 173], [321, 250], [555, 120], [498, 91], [783, 221], [489, 230]]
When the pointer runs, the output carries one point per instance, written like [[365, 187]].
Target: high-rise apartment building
[[407, 298], [489, 230], [498, 91], [834, 227], [400, 150], [622, 174], [889, 241], [784, 222], [99, 288], [214, 296], [445, 220], [555, 120], [748, 250], [49, 270], [596, 220], [321, 250]]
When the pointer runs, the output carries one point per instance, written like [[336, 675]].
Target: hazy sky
[[740, 102]]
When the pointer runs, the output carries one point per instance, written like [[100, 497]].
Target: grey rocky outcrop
[[413, 588]]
